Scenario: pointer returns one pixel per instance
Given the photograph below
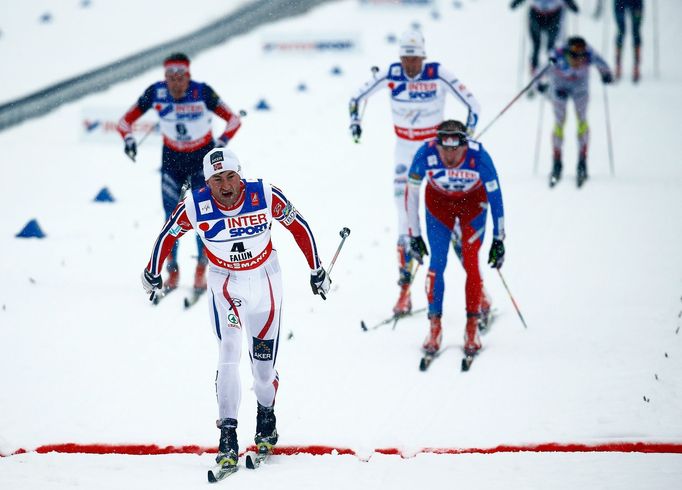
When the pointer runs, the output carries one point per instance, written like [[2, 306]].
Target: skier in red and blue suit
[[461, 184], [184, 107]]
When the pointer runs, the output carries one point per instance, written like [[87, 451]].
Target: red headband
[[179, 65]]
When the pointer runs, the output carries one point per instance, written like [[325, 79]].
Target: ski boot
[[266, 430], [432, 342], [472, 342], [555, 176], [486, 304], [404, 304], [582, 172], [228, 451]]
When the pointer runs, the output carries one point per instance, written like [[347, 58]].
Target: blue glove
[[607, 78]]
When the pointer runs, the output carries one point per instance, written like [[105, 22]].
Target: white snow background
[[597, 272]]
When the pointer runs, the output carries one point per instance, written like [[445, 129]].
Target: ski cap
[[221, 160], [412, 44]]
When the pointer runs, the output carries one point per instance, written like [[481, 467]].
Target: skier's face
[[178, 82], [225, 187], [412, 65], [451, 156]]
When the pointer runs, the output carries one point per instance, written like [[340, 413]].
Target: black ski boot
[[555, 176], [266, 431], [228, 447], [582, 172]]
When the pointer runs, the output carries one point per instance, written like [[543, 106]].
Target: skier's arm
[[367, 90], [284, 212], [177, 225], [414, 182], [461, 93], [223, 111], [602, 66], [492, 188], [125, 124]]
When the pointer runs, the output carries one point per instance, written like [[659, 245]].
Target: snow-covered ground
[[597, 272]]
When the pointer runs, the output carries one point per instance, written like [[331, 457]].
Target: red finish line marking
[[152, 449]]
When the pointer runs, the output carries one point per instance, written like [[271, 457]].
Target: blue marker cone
[[104, 196], [302, 87], [31, 230], [336, 70], [262, 105]]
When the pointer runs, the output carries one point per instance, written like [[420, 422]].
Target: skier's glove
[[151, 282], [496, 255], [515, 3], [320, 282], [355, 131], [418, 248], [572, 6], [607, 78], [130, 147], [542, 87]]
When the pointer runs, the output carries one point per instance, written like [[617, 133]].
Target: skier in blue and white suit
[[417, 94]]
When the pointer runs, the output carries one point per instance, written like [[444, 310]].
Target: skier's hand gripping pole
[[327, 274]]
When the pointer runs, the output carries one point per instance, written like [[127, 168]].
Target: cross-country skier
[[233, 217], [184, 107], [417, 93], [544, 16], [569, 79], [635, 8], [461, 183]]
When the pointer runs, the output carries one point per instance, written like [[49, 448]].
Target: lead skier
[[417, 92], [233, 217], [461, 183]]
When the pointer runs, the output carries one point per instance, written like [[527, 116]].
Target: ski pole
[[608, 132], [523, 91], [538, 136], [655, 43], [512, 299], [522, 58], [344, 234]]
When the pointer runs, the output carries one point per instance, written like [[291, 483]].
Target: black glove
[[320, 282], [130, 147], [418, 248], [151, 282], [542, 87], [355, 131], [515, 3], [607, 77], [496, 255]]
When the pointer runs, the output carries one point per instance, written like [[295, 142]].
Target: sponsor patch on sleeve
[[288, 214], [432, 160], [263, 349], [491, 186], [175, 231]]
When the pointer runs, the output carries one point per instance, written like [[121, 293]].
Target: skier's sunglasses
[[578, 56], [451, 139]]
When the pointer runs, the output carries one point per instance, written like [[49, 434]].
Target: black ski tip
[[250, 463], [363, 326], [211, 477], [466, 363], [187, 303], [423, 364]]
